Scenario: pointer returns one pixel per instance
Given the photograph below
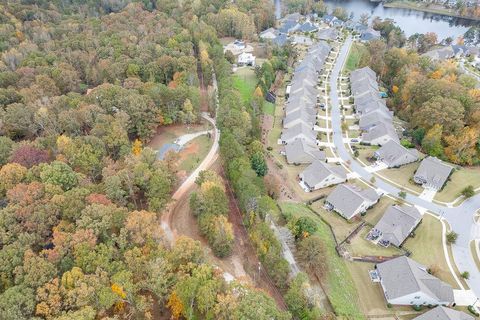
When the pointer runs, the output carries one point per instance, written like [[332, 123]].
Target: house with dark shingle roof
[[380, 134], [369, 34], [321, 175], [432, 173], [406, 282], [396, 224], [302, 152], [394, 155], [349, 200], [327, 34], [307, 27], [444, 313], [299, 132]]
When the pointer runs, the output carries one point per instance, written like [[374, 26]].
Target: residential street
[[460, 218]]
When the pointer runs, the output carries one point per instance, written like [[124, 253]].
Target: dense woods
[[83, 86]]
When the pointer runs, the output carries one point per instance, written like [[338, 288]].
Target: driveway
[[460, 218]]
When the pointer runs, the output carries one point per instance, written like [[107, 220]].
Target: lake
[[410, 21]]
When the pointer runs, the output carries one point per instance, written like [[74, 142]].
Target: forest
[[84, 85]]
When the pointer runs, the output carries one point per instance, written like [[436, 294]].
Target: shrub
[[452, 237], [473, 311], [465, 274], [417, 308], [468, 191]]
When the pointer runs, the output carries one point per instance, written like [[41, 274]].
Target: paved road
[[460, 218]]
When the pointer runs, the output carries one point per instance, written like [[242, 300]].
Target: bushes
[[473, 311]]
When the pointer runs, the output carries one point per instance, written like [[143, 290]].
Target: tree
[[220, 236], [60, 174], [10, 175], [298, 301], [447, 112], [452, 237], [259, 165], [468, 191], [432, 142], [311, 252], [143, 226], [402, 194], [6, 146], [303, 227], [17, 303], [28, 155], [465, 274]]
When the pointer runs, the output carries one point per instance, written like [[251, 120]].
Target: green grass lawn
[[359, 246], [459, 180], [403, 176], [245, 82], [192, 161], [338, 282], [354, 57], [268, 108], [426, 248]]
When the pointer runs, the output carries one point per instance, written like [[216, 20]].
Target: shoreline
[[401, 4]]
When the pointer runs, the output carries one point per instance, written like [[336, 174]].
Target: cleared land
[[194, 152], [354, 57], [244, 80]]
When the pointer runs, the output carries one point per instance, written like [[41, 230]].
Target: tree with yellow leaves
[[175, 305], [137, 147]]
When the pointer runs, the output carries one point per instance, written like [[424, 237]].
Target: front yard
[[459, 180], [403, 176]]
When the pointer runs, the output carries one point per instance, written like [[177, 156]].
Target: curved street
[[459, 218]]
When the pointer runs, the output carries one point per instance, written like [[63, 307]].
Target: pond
[[410, 21]]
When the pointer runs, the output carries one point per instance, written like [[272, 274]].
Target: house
[[246, 59], [362, 73], [298, 102], [364, 86], [440, 53], [280, 40], [302, 40], [289, 26], [329, 19], [349, 200], [396, 225], [301, 152], [299, 116], [372, 118], [367, 98], [320, 175], [369, 103], [328, 34], [299, 132], [406, 282], [394, 155], [237, 47], [268, 34], [369, 34], [432, 173], [307, 27], [444, 313], [380, 134]]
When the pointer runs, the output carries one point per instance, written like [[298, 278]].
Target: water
[[410, 21]]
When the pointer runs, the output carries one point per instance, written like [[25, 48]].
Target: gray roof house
[[268, 34], [299, 116], [372, 118], [327, 34], [301, 152], [367, 97], [305, 78], [406, 282], [443, 313], [362, 73], [289, 26], [380, 134], [307, 27], [299, 132], [360, 87], [396, 224], [394, 155], [432, 173], [349, 200], [280, 40], [369, 34], [364, 106], [299, 102], [441, 53], [320, 175]]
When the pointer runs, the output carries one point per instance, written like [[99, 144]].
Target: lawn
[[459, 180], [426, 248], [354, 57], [359, 246], [373, 302], [269, 108], [194, 152], [402, 176], [245, 82], [338, 283]]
